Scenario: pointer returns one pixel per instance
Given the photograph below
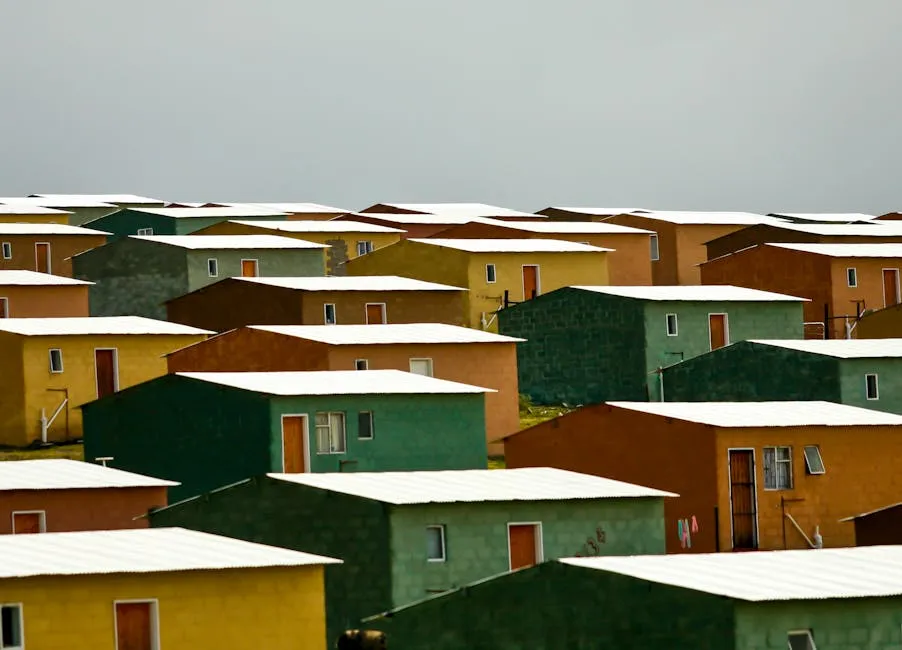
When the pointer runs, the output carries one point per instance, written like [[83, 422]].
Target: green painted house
[[215, 428], [828, 599], [404, 536], [136, 275], [178, 221], [593, 344], [857, 372]]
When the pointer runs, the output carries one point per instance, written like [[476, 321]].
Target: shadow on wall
[[336, 256]]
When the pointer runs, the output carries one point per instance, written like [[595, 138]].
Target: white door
[[421, 367]]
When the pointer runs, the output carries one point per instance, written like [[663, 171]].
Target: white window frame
[[427, 360], [491, 274], [654, 248], [372, 435], [442, 537], [60, 355], [367, 247], [867, 387], [43, 522], [816, 450], [21, 609], [344, 433], [676, 326], [791, 633], [361, 364], [7, 250], [539, 540], [4, 308], [326, 313], [852, 277], [777, 462], [366, 313], [145, 232], [154, 620], [212, 267]]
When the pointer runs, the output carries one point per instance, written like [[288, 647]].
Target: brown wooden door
[[522, 545], [717, 328], [105, 371], [890, 287], [4, 308], [293, 427], [375, 313], [133, 626], [42, 257], [530, 282], [742, 500], [25, 523], [249, 268]]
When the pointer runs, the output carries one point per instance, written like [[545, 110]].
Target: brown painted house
[[446, 209], [879, 527], [840, 280], [361, 300], [27, 294], [410, 225], [750, 475], [56, 495], [43, 247], [458, 354]]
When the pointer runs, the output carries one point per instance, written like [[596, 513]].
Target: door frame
[[256, 262], [755, 493], [305, 439], [726, 328], [5, 312], [898, 289], [523, 280], [115, 370], [42, 513], [154, 620], [49, 249], [539, 540], [366, 314]]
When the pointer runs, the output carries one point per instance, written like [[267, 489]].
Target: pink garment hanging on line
[[694, 526]]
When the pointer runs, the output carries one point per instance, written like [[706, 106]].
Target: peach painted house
[[26, 294]]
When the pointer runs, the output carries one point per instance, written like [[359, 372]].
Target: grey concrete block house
[[136, 275]]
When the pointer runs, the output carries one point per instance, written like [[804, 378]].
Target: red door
[[375, 313], [717, 327], [890, 287], [522, 543], [742, 500], [133, 626], [4, 308], [530, 282], [26, 523], [42, 257], [105, 371]]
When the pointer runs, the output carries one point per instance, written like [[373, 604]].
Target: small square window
[[813, 461], [852, 277], [329, 313], [56, 362], [870, 384], [145, 231], [672, 325], [800, 640], [213, 267], [777, 468], [364, 247], [653, 244], [365, 429], [7, 250], [435, 543], [490, 273], [361, 364], [11, 627]]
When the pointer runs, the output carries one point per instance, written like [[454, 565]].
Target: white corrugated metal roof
[[710, 218], [100, 198], [353, 283], [95, 325], [874, 229], [57, 203], [387, 334], [232, 242], [336, 382], [513, 245], [712, 293], [64, 474], [414, 219], [143, 550], [602, 212], [25, 209], [465, 209], [293, 208], [319, 226], [766, 414], [837, 217], [846, 250], [842, 348], [46, 229], [473, 485], [219, 213], [565, 227], [872, 512], [860, 572], [35, 279]]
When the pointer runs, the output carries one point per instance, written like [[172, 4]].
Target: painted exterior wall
[[412, 230], [764, 233], [869, 292], [72, 510], [273, 608], [853, 389], [880, 324], [62, 217], [271, 263], [83, 215], [400, 306], [45, 301], [879, 528], [128, 222], [62, 247], [477, 543]]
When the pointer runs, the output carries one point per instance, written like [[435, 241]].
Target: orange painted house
[[56, 495], [451, 209], [841, 280], [26, 294], [45, 247], [458, 354], [750, 475]]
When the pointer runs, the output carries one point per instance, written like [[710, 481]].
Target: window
[[777, 468], [213, 267], [329, 313], [361, 364], [801, 640], [7, 250], [56, 360], [671, 324], [330, 433], [490, 273], [364, 247], [11, 627], [365, 430], [435, 543], [870, 384], [145, 231], [852, 277], [813, 461], [653, 243], [421, 367]]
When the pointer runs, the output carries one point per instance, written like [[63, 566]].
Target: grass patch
[[531, 415], [73, 451]]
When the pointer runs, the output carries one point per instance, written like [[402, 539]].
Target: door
[[248, 268], [421, 367], [742, 500], [106, 372], [293, 429], [523, 545], [375, 313], [42, 257], [4, 308], [530, 281], [134, 626], [717, 330], [890, 287], [26, 523]]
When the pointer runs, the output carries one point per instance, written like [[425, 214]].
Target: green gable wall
[[286, 262], [745, 320], [190, 225], [477, 545], [306, 519], [871, 623], [750, 372], [127, 222], [560, 607], [581, 348], [889, 383]]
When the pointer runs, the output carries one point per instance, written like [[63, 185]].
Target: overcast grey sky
[[762, 105]]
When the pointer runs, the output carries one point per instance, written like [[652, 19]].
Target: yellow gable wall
[[239, 609], [415, 260], [140, 358], [12, 389]]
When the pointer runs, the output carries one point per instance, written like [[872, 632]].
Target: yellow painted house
[[158, 589], [51, 366], [27, 213], [494, 270]]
